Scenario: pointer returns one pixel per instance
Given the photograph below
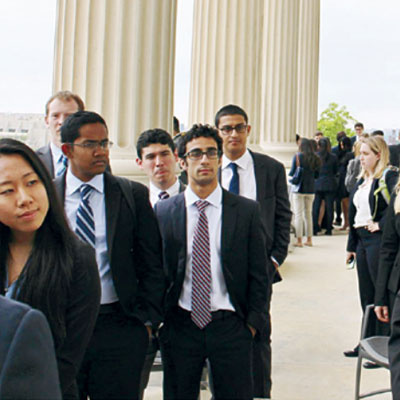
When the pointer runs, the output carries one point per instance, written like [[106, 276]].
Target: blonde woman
[[367, 214]]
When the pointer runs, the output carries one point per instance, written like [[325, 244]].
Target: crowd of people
[[114, 270], [99, 272], [359, 180]]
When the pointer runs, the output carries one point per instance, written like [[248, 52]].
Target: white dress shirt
[[247, 177], [56, 154], [155, 191], [361, 201], [219, 294], [97, 203]]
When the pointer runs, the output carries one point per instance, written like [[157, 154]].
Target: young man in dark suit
[[261, 178], [58, 108], [27, 359], [218, 283], [157, 158], [114, 215]]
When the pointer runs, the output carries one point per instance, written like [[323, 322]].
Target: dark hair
[[345, 141], [196, 131], [340, 134], [153, 136], [230, 109], [358, 125], [65, 96], [378, 133], [70, 127], [45, 280], [298, 137], [176, 125], [324, 148], [311, 159], [314, 145], [318, 133]]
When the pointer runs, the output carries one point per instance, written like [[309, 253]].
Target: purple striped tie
[[201, 269]]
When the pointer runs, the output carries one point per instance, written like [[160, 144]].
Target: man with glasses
[[215, 259], [58, 108], [261, 178], [114, 216]]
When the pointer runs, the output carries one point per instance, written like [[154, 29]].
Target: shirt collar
[[172, 190], [215, 198], [56, 152], [73, 183], [244, 162]]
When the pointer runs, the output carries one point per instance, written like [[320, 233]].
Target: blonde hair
[[378, 146]]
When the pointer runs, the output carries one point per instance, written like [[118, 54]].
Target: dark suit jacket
[[308, 175], [394, 151], [272, 195], [380, 217], [134, 249], [389, 261], [44, 153], [326, 181], [243, 254], [28, 368]]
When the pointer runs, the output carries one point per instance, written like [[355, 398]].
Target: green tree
[[335, 119]]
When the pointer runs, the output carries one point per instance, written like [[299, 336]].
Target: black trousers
[[367, 255], [394, 349], [115, 356], [262, 358], [226, 342]]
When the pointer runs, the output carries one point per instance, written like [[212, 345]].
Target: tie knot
[[85, 190], [201, 205], [234, 167], [163, 195]]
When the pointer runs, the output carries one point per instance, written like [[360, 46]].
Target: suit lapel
[[260, 172], [178, 218], [59, 184], [112, 195], [229, 216]]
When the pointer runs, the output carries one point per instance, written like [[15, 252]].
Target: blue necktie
[[85, 228], [163, 195], [234, 183], [64, 164]]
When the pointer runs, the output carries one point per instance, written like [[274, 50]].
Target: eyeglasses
[[104, 144], [228, 130], [198, 154]]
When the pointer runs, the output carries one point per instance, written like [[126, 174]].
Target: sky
[[359, 57]]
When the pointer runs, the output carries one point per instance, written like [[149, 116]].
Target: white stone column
[[225, 53], [277, 125], [119, 56], [308, 66]]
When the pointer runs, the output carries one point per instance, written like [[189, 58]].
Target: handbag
[[297, 176]]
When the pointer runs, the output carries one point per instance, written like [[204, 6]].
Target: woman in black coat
[[367, 215], [42, 263], [325, 185]]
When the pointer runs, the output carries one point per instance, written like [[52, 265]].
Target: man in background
[[58, 108], [261, 178]]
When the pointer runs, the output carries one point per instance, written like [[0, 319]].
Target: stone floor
[[316, 316]]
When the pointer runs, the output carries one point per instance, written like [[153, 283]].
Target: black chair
[[375, 349]]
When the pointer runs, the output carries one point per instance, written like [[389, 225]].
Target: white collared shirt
[[97, 203], [56, 154], [219, 294], [361, 201], [155, 191], [247, 177]]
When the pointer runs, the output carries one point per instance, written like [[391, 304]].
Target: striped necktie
[[201, 269], [85, 228], [234, 183], [163, 195], [62, 165]]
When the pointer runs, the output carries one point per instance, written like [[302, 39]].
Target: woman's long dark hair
[[45, 280], [311, 159], [324, 149]]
